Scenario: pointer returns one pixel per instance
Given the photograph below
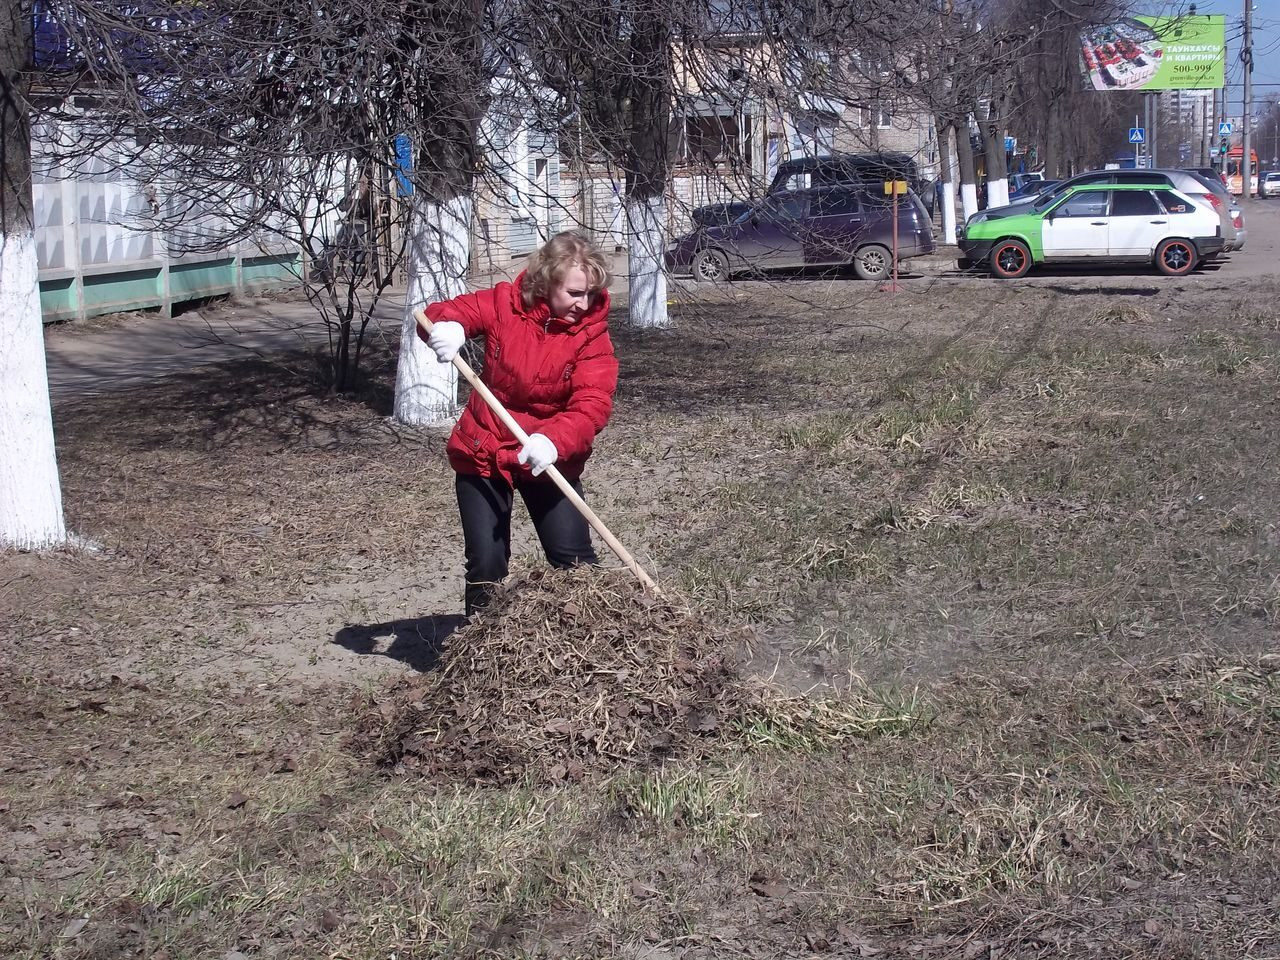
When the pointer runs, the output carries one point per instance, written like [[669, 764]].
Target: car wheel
[[873, 263], [1175, 256], [1010, 259], [711, 266]]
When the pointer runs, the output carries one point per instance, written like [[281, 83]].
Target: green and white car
[[1097, 223]]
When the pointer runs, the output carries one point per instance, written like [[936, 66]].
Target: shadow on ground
[[417, 642]]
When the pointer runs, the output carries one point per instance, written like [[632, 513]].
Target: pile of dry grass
[[1118, 314], [565, 671]]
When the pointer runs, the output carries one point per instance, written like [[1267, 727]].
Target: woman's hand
[[538, 454], [446, 339]]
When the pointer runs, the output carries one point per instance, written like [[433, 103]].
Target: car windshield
[[1043, 200]]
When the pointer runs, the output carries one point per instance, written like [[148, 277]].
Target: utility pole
[[1154, 153], [1211, 130], [1246, 57]]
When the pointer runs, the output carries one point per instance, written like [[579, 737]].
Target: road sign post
[[1137, 136], [895, 188]]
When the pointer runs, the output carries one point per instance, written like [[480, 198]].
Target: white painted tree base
[[30, 495], [998, 193], [646, 267], [969, 199], [948, 211], [439, 260]]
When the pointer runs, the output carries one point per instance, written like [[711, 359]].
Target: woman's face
[[571, 297]]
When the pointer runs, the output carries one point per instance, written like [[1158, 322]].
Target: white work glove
[[539, 453], [446, 339]]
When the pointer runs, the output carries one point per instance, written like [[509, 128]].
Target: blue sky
[[1266, 44]]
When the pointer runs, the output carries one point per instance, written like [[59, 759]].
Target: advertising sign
[[1155, 53]]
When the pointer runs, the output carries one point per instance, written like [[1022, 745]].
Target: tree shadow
[[416, 642], [1067, 291]]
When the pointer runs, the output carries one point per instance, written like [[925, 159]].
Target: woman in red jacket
[[549, 359]]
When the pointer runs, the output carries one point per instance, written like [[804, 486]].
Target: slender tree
[[30, 495]]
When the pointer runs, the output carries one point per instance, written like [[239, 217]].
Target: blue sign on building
[[404, 165]]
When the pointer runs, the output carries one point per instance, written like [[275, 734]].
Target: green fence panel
[[190, 281], [59, 299], [125, 290]]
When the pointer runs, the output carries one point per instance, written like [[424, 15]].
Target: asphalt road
[[96, 355]]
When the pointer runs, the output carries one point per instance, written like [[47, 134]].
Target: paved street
[[95, 356]]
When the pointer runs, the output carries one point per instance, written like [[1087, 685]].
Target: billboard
[[1155, 53]]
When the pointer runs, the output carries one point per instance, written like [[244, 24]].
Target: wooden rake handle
[[556, 476]]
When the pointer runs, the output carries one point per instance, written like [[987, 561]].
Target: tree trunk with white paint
[[646, 269], [30, 495], [949, 226], [648, 169], [948, 174], [968, 172], [993, 149], [438, 235], [439, 258]]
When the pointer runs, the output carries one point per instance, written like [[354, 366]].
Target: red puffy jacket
[[555, 378]]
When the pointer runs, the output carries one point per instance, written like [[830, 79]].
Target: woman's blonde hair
[[550, 262]]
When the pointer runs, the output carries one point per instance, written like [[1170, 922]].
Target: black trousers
[[485, 504]]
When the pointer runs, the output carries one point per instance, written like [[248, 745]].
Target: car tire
[[1010, 259], [873, 262], [1176, 257], [710, 266]]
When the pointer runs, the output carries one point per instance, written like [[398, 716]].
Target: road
[[96, 356], [99, 355]]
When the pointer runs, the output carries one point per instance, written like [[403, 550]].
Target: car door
[[835, 222], [1186, 217], [1136, 224], [773, 235], [1076, 226]]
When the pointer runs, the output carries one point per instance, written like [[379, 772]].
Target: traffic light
[[1222, 147]]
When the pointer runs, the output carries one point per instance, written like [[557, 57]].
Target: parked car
[[1237, 221], [1025, 183], [1208, 194], [1209, 173], [1032, 188], [1235, 234], [719, 214], [827, 226], [809, 173], [1270, 184], [1098, 223], [1234, 237]]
